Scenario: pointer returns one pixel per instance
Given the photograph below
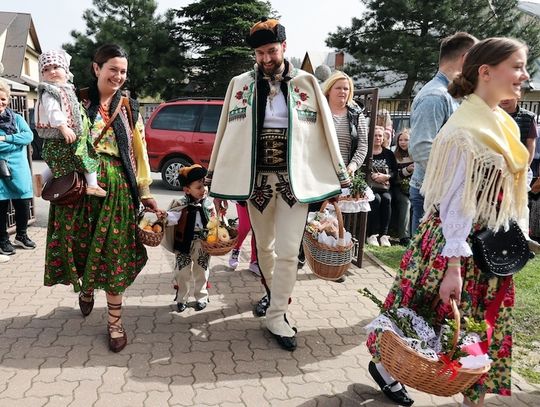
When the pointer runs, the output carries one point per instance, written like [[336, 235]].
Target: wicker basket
[[415, 370], [328, 263], [148, 238], [221, 248]]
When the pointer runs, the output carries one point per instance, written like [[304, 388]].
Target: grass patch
[[526, 349]]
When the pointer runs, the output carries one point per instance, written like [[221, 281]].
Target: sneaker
[[372, 240], [385, 241], [24, 242], [6, 248], [254, 268], [4, 258], [233, 261], [200, 305], [181, 306], [262, 306]]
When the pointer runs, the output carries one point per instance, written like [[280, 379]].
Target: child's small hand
[[69, 135]]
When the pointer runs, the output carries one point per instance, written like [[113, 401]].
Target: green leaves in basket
[[231, 223], [358, 184], [403, 323]]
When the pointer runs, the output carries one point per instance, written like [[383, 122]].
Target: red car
[[180, 133]]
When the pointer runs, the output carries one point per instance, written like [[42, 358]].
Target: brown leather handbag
[[68, 189]]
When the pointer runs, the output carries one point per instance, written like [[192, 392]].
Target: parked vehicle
[[180, 133]]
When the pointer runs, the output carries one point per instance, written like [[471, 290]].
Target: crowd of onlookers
[[392, 168]]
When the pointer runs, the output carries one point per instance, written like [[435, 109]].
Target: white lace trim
[[347, 204], [456, 248], [428, 344]]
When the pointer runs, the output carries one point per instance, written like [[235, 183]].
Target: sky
[[307, 22]]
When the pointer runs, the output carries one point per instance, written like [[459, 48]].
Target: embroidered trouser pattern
[[192, 268], [278, 229]]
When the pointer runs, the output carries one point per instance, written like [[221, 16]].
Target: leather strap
[[109, 123]]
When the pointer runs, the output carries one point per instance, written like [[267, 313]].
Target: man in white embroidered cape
[[277, 149]]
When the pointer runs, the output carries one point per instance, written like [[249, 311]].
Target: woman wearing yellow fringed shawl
[[476, 175]]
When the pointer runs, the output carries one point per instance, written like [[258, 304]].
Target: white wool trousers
[[278, 230], [192, 269]]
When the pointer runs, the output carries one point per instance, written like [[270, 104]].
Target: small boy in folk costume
[[67, 146], [186, 220]]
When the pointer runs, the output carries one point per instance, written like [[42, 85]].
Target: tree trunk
[[408, 88]]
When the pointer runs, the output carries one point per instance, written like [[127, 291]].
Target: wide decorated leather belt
[[272, 150]]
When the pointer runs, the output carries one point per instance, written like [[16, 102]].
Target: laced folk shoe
[[6, 248], [96, 191], [372, 240], [24, 242], [233, 260], [385, 241]]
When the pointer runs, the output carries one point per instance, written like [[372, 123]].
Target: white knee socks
[[387, 378], [91, 179]]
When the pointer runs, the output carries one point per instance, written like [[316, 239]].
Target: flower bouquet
[[220, 236], [443, 362]]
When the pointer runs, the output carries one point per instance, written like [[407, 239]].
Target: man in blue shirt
[[431, 108]]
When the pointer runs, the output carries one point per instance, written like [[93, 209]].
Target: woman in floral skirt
[[94, 245], [476, 177]]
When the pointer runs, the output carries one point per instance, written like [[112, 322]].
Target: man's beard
[[272, 70]]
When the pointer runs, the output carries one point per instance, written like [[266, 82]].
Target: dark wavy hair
[[106, 52]]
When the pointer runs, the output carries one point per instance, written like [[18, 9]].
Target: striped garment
[[341, 123]]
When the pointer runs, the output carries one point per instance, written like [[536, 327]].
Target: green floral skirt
[[63, 158], [94, 245], [417, 284]]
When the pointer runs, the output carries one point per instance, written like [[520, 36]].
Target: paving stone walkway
[[51, 356]]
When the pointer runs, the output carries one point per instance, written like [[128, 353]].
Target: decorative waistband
[[272, 146]]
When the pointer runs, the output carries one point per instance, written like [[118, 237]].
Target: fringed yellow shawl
[[496, 161]]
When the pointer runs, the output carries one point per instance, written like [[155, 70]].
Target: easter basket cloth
[[328, 263]]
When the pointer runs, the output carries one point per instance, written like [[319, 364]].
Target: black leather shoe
[[400, 397], [181, 306], [86, 306], [286, 342], [200, 305], [262, 306]]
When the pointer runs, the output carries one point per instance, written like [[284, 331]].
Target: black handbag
[[4, 169], [501, 253]]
